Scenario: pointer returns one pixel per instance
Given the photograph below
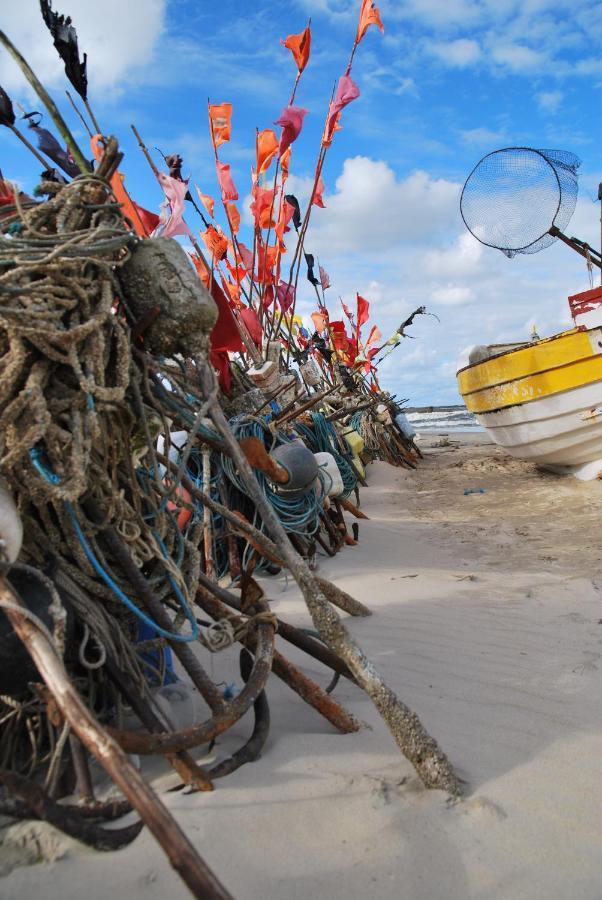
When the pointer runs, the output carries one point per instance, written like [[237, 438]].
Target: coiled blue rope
[[53, 478]]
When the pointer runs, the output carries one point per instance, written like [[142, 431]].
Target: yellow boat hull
[[542, 401]]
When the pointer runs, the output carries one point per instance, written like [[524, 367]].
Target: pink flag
[[228, 187], [347, 90], [291, 120], [324, 279], [285, 294], [318, 199], [175, 194]]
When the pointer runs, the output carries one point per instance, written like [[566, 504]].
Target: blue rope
[[299, 515], [322, 437], [53, 478]]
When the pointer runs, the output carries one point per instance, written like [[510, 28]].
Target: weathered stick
[[183, 857], [416, 744], [304, 686]]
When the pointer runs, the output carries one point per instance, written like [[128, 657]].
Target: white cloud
[[549, 101], [117, 36], [481, 136], [372, 210], [458, 54], [517, 57], [453, 295]]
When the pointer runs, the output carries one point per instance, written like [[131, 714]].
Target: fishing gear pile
[[169, 431]]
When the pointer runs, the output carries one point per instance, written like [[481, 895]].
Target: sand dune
[[488, 622]]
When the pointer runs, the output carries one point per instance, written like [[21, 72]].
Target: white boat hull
[[561, 432]]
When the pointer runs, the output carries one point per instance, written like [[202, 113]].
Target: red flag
[[369, 15], [226, 184], [299, 45], [291, 119], [347, 311], [150, 220], [363, 311], [220, 116], [267, 145], [347, 90], [324, 279], [318, 199], [249, 317], [266, 260]]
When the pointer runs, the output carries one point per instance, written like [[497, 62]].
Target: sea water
[[442, 419]]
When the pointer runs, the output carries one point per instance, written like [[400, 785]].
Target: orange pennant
[[369, 15], [299, 45], [285, 161], [207, 201], [220, 116], [262, 207], [233, 217], [216, 242], [267, 145]]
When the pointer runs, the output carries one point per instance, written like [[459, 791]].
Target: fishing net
[[514, 196]]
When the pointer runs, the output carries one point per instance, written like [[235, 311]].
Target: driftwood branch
[[183, 857], [416, 744]]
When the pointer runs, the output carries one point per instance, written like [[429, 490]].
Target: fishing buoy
[[301, 465], [11, 528], [359, 466], [165, 293], [355, 441], [383, 415], [177, 442], [405, 426], [333, 480]]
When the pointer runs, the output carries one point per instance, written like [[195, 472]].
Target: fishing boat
[[542, 400]]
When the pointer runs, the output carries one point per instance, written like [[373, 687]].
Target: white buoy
[[11, 527]]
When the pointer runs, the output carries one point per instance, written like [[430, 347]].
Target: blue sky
[[448, 82]]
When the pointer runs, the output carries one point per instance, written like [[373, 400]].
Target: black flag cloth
[[64, 36], [310, 269], [7, 113], [49, 145], [292, 201]]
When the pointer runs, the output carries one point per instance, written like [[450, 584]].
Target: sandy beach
[[487, 620]]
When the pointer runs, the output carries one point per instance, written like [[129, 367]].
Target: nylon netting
[[514, 196]]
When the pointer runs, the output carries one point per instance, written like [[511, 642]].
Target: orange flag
[[207, 201], [285, 161], [267, 145], [216, 242], [262, 206], [319, 191], [299, 45], [369, 15], [220, 116], [233, 217]]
